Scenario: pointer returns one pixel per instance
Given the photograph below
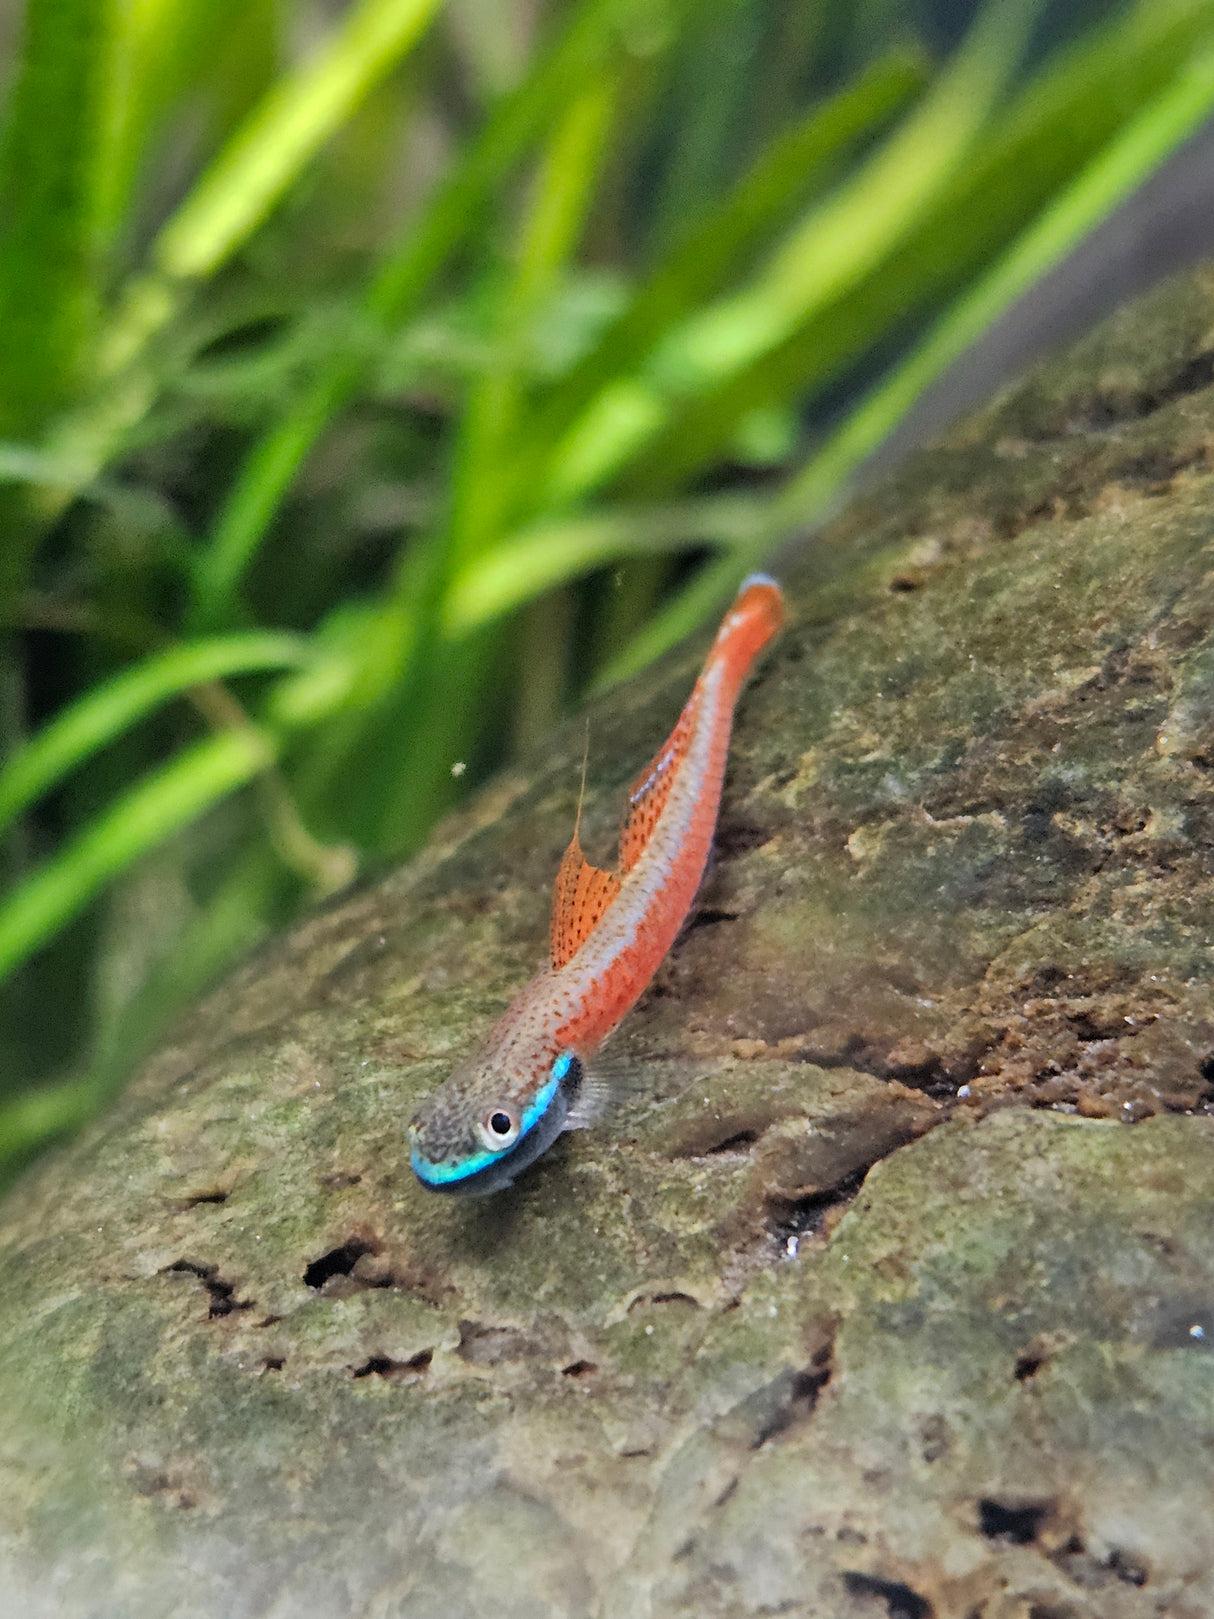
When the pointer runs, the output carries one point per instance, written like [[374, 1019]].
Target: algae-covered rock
[[886, 1289]]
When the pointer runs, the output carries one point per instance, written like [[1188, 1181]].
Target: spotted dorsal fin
[[648, 794], [581, 894]]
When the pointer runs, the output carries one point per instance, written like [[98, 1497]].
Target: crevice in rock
[[789, 1222], [1015, 1523], [900, 1601], [1089, 1029], [1128, 1569], [411, 1370], [338, 1261], [1107, 409], [362, 1263], [222, 1293], [738, 1142], [1151, 470], [708, 916], [579, 1369], [734, 837], [668, 1297], [158, 1483], [935, 1076], [1028, 1365], [935, 1438], [801, 1401], [193, 1199], [731, 1130]]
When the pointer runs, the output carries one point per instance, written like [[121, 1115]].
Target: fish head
[[488, 1122]]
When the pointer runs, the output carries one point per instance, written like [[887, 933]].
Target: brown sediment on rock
[[884, 1290]]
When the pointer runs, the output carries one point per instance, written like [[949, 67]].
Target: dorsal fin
[[580, 895], [582, 892], [648, 794]]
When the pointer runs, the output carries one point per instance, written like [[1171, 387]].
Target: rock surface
[[887, 1290]]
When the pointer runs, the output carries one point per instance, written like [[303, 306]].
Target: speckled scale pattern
[[648, 795], [576, 1003]]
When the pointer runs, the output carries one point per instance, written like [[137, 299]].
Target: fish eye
[[499, 1128]]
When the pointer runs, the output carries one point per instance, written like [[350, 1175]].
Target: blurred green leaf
[[1157, 130], [839, 242], [593, 34], [54, 149], [161, 805], [169, 47], [111, 708], [553, 222], [281, 137], [1058, 122], [262, 159], [25, 463], [711, 248], [555, 552], [1160, 128]]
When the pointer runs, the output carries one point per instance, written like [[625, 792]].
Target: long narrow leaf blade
[[697, 266], [1158, 130], [1058, 123], [108, 710], [589, 38], [281, 137], [1162, 126], [53, 153], [561, 550], [262, 159], [160, 805], [834, 247]]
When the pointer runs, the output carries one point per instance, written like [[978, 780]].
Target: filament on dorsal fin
[[648, 794], [582, 892]]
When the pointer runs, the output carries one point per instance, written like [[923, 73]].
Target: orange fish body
[[610, 933]]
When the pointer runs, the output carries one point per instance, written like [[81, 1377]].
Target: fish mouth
[[467, 1178]]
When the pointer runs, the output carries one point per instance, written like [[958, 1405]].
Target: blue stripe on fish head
[[475, 1164]]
